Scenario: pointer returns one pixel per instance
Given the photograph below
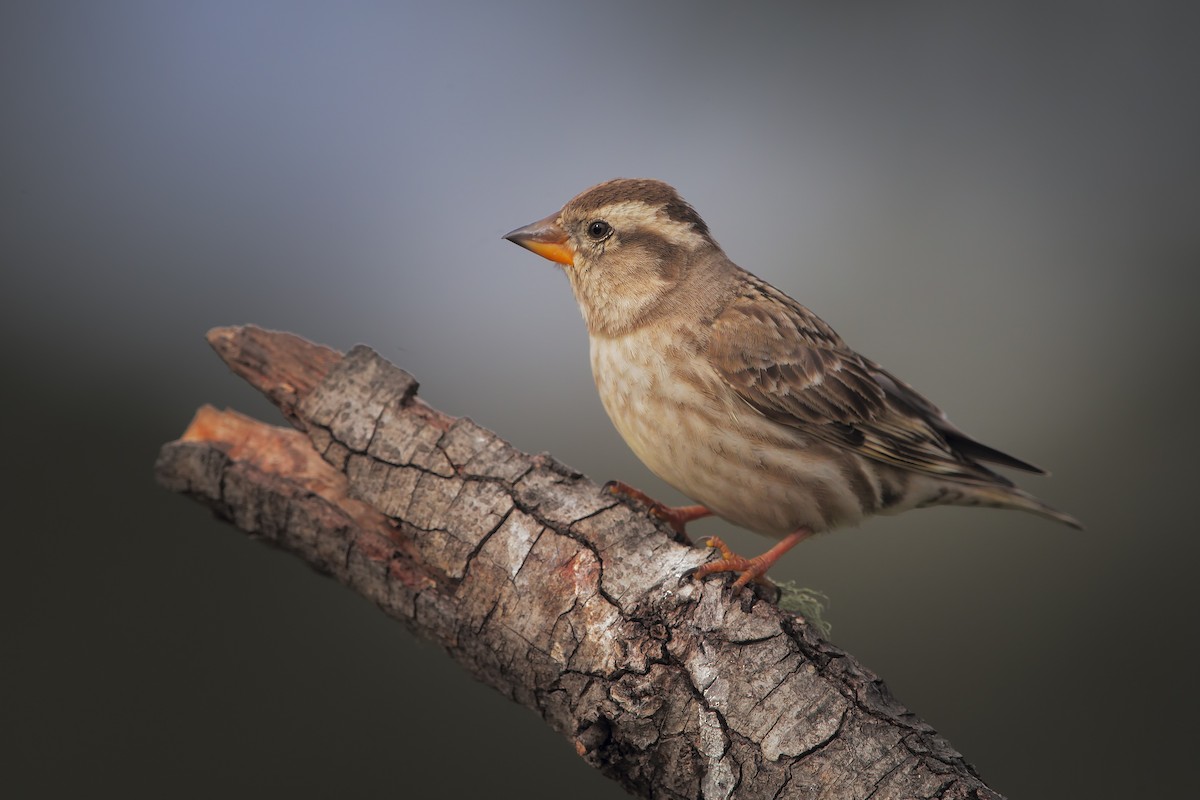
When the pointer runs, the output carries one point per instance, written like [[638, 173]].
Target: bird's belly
[[694, 433]]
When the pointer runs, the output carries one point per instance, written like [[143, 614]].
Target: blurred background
[[1001, 206]]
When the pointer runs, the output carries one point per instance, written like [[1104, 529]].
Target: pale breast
[[680, 419]]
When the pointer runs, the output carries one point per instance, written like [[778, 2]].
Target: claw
[[677, 517], [748, 569]]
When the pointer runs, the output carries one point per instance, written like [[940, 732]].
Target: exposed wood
[[549, 589]]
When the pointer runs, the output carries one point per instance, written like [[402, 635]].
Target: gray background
[[1001, 206]]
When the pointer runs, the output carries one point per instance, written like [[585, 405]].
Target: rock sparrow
[[740, 397]]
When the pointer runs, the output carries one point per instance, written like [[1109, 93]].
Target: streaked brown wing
[[790, 366]]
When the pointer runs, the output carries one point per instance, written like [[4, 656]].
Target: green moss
[[807, 603]]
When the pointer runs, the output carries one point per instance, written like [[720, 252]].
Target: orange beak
[[546, 238]]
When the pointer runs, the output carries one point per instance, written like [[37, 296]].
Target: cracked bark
[[553, 592]]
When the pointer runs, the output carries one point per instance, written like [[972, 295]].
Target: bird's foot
[[749, 569], [676, 516]]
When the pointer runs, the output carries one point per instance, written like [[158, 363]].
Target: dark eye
[[599, 229]]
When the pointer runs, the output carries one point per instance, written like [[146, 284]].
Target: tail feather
[[999, 496]]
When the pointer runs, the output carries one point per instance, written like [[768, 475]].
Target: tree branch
[[552, 591]]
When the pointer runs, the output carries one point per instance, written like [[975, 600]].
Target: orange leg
[[677, 517], [751, 569]]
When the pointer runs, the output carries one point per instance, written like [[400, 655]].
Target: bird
[[740, 397]]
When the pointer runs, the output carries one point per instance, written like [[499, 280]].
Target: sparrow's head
[[626, 245]]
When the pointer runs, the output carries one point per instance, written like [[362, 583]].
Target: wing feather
[[787, 364]]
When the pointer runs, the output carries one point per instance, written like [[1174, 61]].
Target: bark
[[544, 586]]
